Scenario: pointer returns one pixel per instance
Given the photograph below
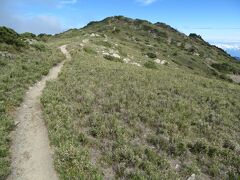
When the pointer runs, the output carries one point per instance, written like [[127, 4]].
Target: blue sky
[[217, 21]]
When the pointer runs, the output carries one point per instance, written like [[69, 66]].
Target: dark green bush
[[225, 77], [150, 65], [158, 33], [165, 26], [191, 49], [44, 37], [146, 27], [193, 35], [122, 18], [111, 58], [151, 55], [104, 43], [159, 141], [228, 144], [177, 149], [198, 147], [175, 53], [212, 151], [28, 35], [139, 22], [116, 30], [224, 67], [10, 37], [214, 170], [39, 47], [92, 23], [89, 50]]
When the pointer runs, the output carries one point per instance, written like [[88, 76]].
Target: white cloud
[[146, 2], [64, 3], [228, 46], [68, 2], [35, 23], [42, 23]]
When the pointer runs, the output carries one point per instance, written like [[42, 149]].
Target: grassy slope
[[113, 119], [190, 53], [19, 71], [110, 119]]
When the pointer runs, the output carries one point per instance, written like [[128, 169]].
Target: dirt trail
[[31, 153]]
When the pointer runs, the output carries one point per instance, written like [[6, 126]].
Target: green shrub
[[151, 55], [225, 77], [177, 149], [150, 65], [214, 170], [147, 27], [39, 46], [10, 37], [92, 23], [191, 50], [116, 30], [139, 22], [28, 35], [159, 141], [104, 43], [229, 145], [212, 151], [112, 58], [44, 37], [162, 34], [224, 67], [233, 176], [193, 35], [175, 53], [198, 147], [89, 50]]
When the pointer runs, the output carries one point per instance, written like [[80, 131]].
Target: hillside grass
[[189, 52], [113, 120], [18, 71]]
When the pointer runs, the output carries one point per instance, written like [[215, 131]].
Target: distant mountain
[[238, 58], [232, 48], [233, 52]]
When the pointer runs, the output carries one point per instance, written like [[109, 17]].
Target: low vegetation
[[10, 37], [117, 112], [150, 64], [225, 68], [39, 46], [113, 120], [112, 58], [151, 55], [140, 119]]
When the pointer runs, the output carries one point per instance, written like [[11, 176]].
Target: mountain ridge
[[195, 53], [187, 51], [238, 58]]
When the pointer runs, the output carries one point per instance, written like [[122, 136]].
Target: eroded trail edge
[[31, 152]]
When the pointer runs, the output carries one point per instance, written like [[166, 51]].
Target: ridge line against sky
[[215, 20]]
